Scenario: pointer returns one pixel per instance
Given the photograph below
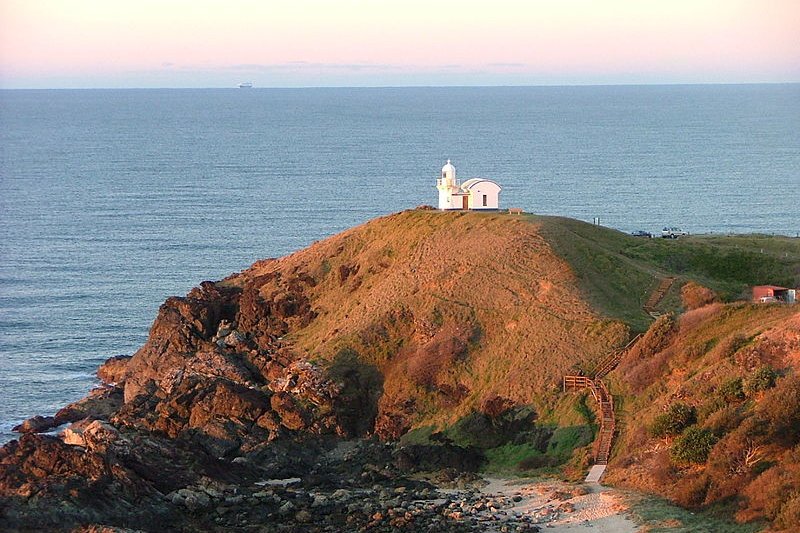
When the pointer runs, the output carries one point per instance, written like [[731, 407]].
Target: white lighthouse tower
[[475, 193], [450, 193]]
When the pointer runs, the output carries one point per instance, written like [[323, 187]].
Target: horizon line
[[410, 86]]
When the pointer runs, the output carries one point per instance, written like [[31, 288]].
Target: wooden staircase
[[612, 360], [601, 449], [657, 295]]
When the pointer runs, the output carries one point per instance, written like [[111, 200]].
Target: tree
[[693, 446], [674, 421]]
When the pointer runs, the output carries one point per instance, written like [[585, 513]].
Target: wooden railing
[[601, 450], [612, 360]]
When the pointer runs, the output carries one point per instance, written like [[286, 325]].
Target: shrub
[[708, 409], [691, 491], [765, 495], [693, 446], [789, 516], [661, 469], [732, 462], [731, 390], [727, 347], [760, 380], [780, 410], [674, 421], [695, 296], [724, 419]]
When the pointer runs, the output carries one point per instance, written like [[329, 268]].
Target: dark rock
[[420, 457], [291, 415], [36, 424], [101, 403]]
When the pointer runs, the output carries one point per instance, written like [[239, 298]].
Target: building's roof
[[449, 168], [470, 183], [773, 287]]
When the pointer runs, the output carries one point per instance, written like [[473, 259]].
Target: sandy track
[[600, 510]]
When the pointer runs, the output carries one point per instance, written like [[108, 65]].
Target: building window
[[484, 200]]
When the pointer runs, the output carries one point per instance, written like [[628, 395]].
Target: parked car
[[673, 233], [642, 233]]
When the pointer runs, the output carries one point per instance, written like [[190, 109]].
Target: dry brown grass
[[397, 289], [695, 296]]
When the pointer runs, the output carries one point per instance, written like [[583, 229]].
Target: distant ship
[[246, 85]]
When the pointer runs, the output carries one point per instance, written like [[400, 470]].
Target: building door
[[465, 202]]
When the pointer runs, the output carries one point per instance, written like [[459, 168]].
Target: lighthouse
[[475, 193]]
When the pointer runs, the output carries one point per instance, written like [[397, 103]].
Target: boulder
[[112, 371], [101, 403], [292, 416], [36, 424], [93, 434]]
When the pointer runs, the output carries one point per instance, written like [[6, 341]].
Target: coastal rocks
[[420, 457], [101, 403], [221, 411], [113, 370], [117, 477], [45, 483], [36, 424], [95, 435], [291, 416], [183, 326]]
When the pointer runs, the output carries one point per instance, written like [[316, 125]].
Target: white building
[[475, 193]]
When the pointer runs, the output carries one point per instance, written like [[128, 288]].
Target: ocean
[[113, 200]]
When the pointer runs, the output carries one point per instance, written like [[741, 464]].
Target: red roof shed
[[767, 291]]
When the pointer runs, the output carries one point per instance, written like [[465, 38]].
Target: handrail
[[601, 449]]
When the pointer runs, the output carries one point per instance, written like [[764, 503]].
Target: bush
[[780, 410], [725, 419], [695, 296], [760, 380], [731, 390], [727, 347], [674, 421], [691, 491], [693, 446], [765, 495]]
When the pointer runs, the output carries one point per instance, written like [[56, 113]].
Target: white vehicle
[[673, 233]]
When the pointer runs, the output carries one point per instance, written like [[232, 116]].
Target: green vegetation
[[693, 445], [512, 442], [674, 421], [661, 516], [731, 390], [566, 439], [760, 380], [617, 272], [507, 458]]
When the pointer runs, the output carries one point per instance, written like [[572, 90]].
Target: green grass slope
[[617, 272]]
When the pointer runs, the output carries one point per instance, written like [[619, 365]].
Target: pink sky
[[211, 43]]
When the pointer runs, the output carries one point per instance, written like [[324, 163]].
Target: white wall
[[492, 192]]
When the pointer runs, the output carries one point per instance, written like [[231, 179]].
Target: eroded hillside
[[450, 308]]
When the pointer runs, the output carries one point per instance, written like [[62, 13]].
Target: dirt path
[[560, 507]]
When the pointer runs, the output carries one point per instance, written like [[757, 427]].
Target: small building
[[475, 193], [773, 293]]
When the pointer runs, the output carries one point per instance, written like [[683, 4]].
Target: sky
[[299, 43]]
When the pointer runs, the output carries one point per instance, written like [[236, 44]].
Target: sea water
[[113, 200]]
